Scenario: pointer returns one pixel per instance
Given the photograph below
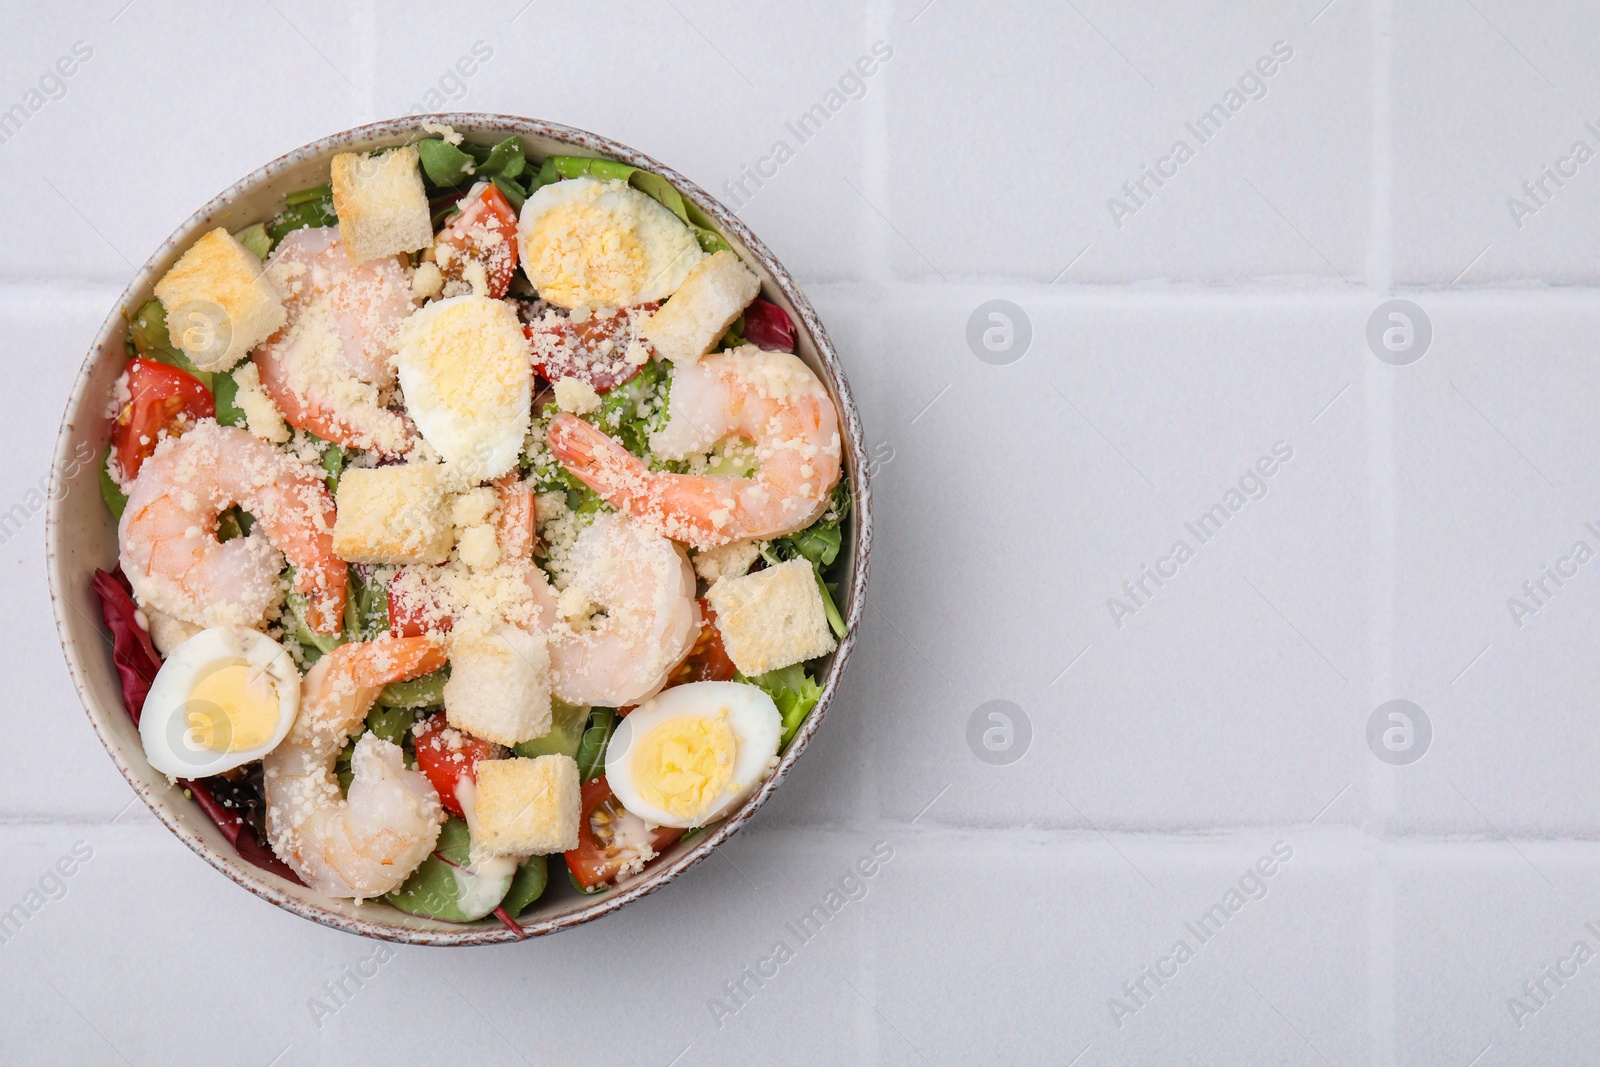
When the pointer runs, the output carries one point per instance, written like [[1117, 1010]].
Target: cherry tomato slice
[[408, 618], [707, 661], [161, 399], [485, 231], [594, 350], [599, 858], [446, 755]]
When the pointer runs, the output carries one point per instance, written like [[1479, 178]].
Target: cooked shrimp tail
[[769, 398], [367, 843]]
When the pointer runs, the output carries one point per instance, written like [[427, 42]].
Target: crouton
[[713, 294], [218, 304], [381, 204], [772, 618], [395, 514], [527, 807], [499, 687]]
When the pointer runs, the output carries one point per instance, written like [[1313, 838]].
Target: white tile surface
[[1228, 712], [979, 185], [1473, 122]]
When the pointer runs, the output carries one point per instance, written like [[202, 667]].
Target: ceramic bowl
[[81, 535]]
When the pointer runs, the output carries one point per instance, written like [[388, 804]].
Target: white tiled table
[[1226, 715]]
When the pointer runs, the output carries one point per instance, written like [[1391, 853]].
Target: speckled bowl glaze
[[81, 535]]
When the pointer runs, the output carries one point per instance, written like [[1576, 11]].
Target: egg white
[[164, 725], [579, 265], [467, 373], [751, 715]]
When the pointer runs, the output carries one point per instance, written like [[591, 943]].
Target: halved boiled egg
[[223, 698], [603, 244], [694, 752], [467, 372]]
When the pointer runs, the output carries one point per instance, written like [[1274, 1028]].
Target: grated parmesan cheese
[[577, 396], [262, 416]]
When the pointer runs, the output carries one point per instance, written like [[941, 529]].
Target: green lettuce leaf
[[444, 163], [308, 207], [441, 886], [424, 692], [225, 390], [592, 749], [116, 500], [255, 239], [567, 723], [527, 886], [794, 691], [148, 332]]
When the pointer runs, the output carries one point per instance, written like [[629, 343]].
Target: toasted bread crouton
[[527, 807], [219, 304], [713, 294], [395, 514], [381, 204], [726, 561], [499, 687], [772, 618]]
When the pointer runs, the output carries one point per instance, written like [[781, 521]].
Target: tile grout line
[[94, 293], [878, 21], [1381, 963]]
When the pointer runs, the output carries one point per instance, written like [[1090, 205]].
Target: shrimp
[[167, 538], [367, 843], [641, 580], [329, 366], [771, 398]]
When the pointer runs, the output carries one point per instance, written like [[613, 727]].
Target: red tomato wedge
[[408, 618], [161, 399], [446, 755], [485, 231], [594, 350], [605, 829], [707, 661]]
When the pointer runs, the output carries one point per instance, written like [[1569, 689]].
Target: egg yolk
[[474, 366], [579, 254], [233, 708], [684, 764]]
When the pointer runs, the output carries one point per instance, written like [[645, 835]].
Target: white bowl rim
[[161, 798]]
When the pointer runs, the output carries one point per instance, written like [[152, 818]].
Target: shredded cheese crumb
[[577, 396], [427, 280], [262, 416], [446, 133]]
